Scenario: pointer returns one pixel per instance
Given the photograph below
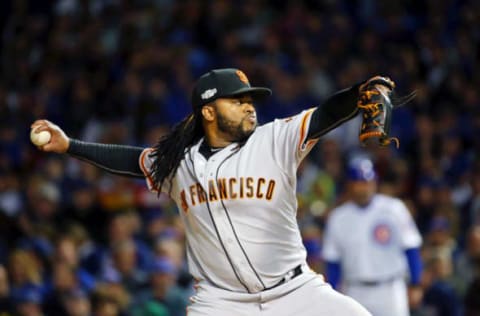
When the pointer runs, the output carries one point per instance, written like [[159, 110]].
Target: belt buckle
[[290, 275]]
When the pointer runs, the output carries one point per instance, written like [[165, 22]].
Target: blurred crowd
[[77, 241]]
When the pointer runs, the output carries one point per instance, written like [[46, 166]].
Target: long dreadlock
[[171, 148]]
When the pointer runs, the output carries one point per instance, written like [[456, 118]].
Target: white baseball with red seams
[[239, 212], [40, 138]]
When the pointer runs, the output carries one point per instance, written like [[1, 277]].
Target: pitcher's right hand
[[59, 141]]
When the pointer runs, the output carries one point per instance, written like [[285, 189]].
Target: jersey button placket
[[239, 262]]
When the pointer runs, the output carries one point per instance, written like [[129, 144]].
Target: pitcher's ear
[[208, 112]]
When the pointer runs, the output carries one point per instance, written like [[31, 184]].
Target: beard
[[236, 130]]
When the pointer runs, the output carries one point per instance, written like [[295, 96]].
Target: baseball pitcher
[[234, 183]]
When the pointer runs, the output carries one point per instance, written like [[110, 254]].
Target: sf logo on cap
[[242, 76]]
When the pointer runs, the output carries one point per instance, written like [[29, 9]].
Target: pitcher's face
[[236, 117]]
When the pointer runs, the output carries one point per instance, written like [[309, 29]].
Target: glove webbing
[[374, 110]]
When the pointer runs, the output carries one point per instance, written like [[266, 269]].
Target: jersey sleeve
[[290, 143], [331, 248], [146, 162], [409, 234]]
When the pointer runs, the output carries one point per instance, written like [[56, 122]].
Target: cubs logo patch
[[243, 78], [382, 234]]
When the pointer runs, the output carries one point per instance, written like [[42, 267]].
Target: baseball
[[41, 138]]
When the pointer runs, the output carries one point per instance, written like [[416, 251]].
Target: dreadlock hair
[[171, 148]]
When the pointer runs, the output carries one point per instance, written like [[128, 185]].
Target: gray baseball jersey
[[239, 206]]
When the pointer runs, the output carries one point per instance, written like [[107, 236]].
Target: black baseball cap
[[225, 82]]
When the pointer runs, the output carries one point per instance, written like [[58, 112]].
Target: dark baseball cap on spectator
[[220, 83]]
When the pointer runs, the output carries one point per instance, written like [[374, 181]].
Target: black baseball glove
[[375, 103]]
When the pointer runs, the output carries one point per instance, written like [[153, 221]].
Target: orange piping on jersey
[[303, 129], [145, 172], [311, 142]]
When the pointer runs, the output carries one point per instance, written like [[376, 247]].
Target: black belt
[[290, 275]]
